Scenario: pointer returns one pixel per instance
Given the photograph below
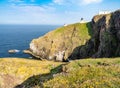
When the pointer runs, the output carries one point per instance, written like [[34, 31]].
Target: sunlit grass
[[85, 73], [89, 73], [21, 68]]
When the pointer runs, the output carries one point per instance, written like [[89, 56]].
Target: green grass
[[83, 32], [85, 73], [89, 73], [83, 28], [14, 71]]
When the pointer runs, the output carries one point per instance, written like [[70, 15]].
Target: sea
[[19, 37]]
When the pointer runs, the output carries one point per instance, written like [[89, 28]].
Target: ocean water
[[19, 36]]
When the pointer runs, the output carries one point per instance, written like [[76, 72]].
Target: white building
[[83, 21], [104, 12]]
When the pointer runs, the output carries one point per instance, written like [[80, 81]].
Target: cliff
[[98, 38], [58, 44], [105, 41]]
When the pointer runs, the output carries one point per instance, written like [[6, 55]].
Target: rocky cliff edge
[[58, 44], [98, 38]]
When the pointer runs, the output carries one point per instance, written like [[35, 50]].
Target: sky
[[53, 12]]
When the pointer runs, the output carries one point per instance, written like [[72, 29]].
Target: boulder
[[13, 51]]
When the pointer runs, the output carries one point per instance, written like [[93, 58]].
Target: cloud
[[63, 2], [31, 14], [35, 14], [32, 8], [86, 2], [59, 1], [46, 13], [16, 1], [76, 2]]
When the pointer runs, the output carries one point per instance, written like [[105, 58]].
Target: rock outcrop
[[58, 44], [105, 41], [98, 38], [13, 51]]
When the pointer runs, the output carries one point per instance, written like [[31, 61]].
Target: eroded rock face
[[105, 41], [58, 44], [108, 28]]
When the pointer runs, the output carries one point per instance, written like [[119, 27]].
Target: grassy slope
[[88, 73], [64, 38], [84, 31], [85, 73], [14, 71]]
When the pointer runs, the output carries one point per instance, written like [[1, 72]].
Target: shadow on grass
[[37, 81]]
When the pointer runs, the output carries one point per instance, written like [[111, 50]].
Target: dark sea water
[[19, 36]]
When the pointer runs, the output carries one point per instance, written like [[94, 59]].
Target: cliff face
[[59, 44], [105, 41], [99, 38]]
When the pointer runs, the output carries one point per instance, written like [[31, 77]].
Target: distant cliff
[[98, 38]]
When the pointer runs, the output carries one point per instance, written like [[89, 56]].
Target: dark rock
[[105, 40]]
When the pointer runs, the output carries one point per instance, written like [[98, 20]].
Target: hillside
[[87, 73], [98, 38], [58, 44], [94, 73], [14, 71]]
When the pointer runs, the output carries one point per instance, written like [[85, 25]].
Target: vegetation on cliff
[[59, 44]]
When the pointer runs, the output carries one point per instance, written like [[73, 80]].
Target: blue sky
[[52, 11]]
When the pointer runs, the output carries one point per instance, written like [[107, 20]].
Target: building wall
[[103, 12]]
